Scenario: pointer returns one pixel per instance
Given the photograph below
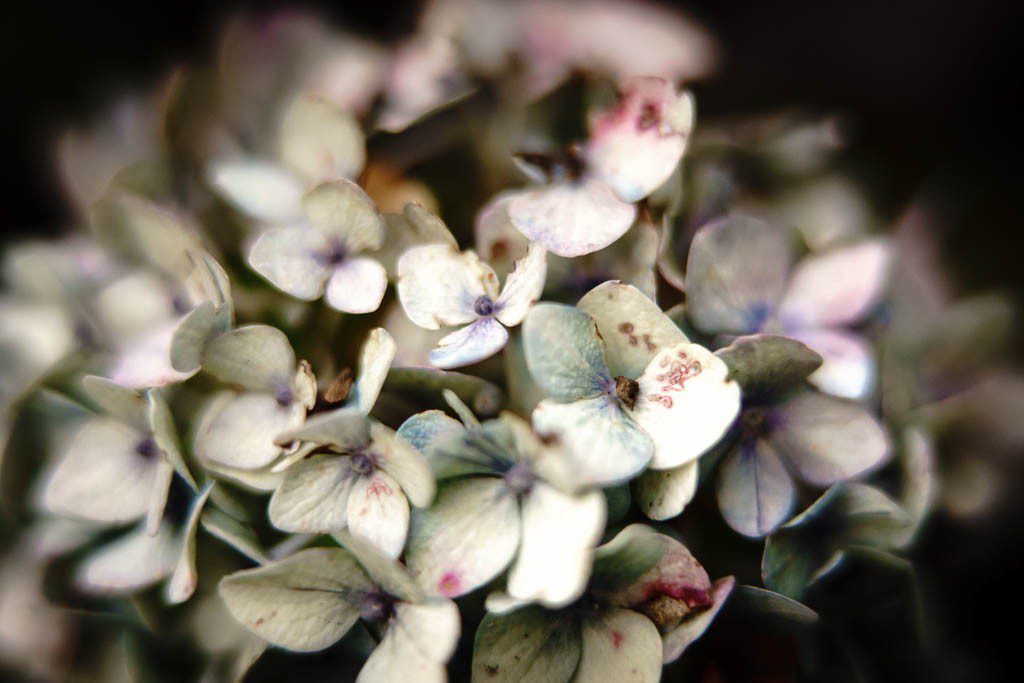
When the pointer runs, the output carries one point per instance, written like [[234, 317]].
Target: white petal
[[158, 496], [465, 538], [374, 362], [848, 363], [146, 361], [418, 643], [404, 463], [385, 571], [357, 285], [496, 238], [293, 260], [470, 344], [523, 286], [685, 403], [183, 582], [828, 439], [438, 286], [607, 446], [559, 535], [663, 494], [345, 428], [528, 645], [636, 146], [755, 492], [342, 210], [257, 357], [320, 141], [260, 189], [694, 625], [235, 534], [242, 432], [632, 326], [836, 287], [619, 645], [134, 561], [127, 405], [379, 512], [101, 476], [572, 219], [300, 603], [313, 498]]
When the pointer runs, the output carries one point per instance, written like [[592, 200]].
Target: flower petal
[[637, 145], [836, 287], [292, 259], [345, 428], [828, 439], [685, 404], [663, 494], [259, 189], [135, 561], [528, 645], [256, 357], [470, 344], [321, 142], [374, 362], [466, 538], [126, 404], [676, 574], [755, 492], [305, 602], [166, 435], [183, 581], [357, 285], [559, 535], [607, 446], [571, 218], [438, 285], [313, 498], [418, 643], [735, 274], [404, 463], [564, 352], [523, 286], [632, 326], [693, 626], [424, 430], [101, 476], [384, 570], [619, 645], [241, 432], [848, 363], [379, 512], [340, 209], [146, 360]]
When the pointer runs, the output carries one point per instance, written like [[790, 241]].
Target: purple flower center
[[484, 306], [333, 255], [519, 478], [376, 607], [147, 448], [362, 463], [283, 394]]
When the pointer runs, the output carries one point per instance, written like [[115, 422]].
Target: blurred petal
[[693, 626], [735, 274], [755, 492], [632, 326], [418, 643], [564, 352], [374, 362], [146, 361], [293, 260], [828, 439], [166, 435], [341, 210], [135, 561], [313, 498], [619, 645], [528, 645], [320, 141], [259, 189], [466, 538], [257, 357], [357, 285], [663, 494], [242, 432], [305, 602], [836, 287], [677, 574], [379, 512], [848, 362], [122, 402], [571, 218], [637, 145], [470, 344], [183, 582], [685, 404], [559, 535], [438, 286], [523, 286], [607, 446], [404, 463], [158, 496]]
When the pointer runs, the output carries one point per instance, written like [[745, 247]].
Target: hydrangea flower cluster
[[493, 451]]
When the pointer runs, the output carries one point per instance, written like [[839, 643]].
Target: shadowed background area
[[929, 92]]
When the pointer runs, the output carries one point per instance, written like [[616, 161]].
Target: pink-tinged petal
[[572, 218], [357, 285], [620, 645], [425, 75], [694, 625], [470, 344], [848, 362], [836, 287], [379, 513], [636, 146], [677, 575], [523, 287], [146, 362]]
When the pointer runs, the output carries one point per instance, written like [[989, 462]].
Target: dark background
[[932, 89]]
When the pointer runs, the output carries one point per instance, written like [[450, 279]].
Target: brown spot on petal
[[340, 388], [617, 639], [664, 610], [627, 390]]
